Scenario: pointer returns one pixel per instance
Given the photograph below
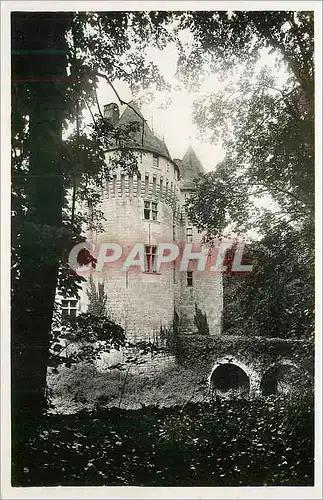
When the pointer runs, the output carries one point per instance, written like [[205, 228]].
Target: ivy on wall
[[200, 321], [259, 352]]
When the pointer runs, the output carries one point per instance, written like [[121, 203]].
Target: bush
[[200, 321], [259, 442], [83, 387]]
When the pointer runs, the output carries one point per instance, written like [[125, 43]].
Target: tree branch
[[276, 44], [282, 190], [125, 102], [97, 103], [268, 187], [93, 119]]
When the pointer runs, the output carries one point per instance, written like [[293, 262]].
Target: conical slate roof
[[190, 168], [144, 138]]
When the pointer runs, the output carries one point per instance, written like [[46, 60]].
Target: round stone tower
[[148, 208], [140, 208]]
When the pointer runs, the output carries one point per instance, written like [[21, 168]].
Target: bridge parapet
[[258, 365]]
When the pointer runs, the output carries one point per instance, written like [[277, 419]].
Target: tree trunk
[[39, 63]]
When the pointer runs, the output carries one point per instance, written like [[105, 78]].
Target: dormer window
[[155, 160]]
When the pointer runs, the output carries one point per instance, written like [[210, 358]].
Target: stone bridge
[[249, 365]]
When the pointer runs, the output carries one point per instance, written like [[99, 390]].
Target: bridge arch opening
[[230, 380], [284, 378]]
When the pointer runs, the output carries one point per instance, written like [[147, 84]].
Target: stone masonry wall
[[143, 302], [254, 355], [207, 290], [140, 302]]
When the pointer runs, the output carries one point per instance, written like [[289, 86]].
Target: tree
[[36, 131], [56, 63], [266, 126], [225, 39], [83, 339], [267, 129], [200, 321], [277, 298]]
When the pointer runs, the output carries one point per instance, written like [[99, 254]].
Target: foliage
[[74, 378], [81, 387], [200, 321], [260, 353], [265, 184], [57, 61], [169, 337], [267, 442], [266, 126], [277, 298], [97, 299], [223, 40], [84, 338]]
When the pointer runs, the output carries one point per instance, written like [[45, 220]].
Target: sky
[[175, 123]]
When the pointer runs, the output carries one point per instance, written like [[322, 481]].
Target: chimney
[[111, 112]]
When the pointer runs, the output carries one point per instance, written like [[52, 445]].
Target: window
[[189, 278], [155, 160], [146, 184], [69, 307], [114, 185], [150, 259], [150, 210], [161, 189], [189, 234], [122, 184]]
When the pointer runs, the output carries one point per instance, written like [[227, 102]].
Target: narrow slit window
[[189, 234], [147, 210], [155, 160], [161, 189], [154, 211], [122, 184], [189, 278], [138, 185], [146, 184]]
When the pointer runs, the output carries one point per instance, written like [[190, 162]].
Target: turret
[[190, 169]]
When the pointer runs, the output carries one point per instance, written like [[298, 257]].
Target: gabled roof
[[144, 138], [190, 168]]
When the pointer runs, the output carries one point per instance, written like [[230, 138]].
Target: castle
[[148, 208]]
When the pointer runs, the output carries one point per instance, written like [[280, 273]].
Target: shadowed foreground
[[232, 443]]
